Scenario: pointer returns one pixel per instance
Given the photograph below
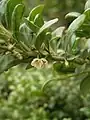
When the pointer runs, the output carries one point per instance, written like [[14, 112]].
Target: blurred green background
[[58, 8], [21, 97]]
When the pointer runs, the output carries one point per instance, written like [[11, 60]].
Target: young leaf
[[87, 5], [38, 20], [87, 13], [3, 4], [72, 15], [75, 48], [31, 25], [17, 18], [53, 45], [41, 33], [85, 85], [46, 25], [35, 11], [9, 9], [48, 37], [76, 23], [26, 34], [39, 40], [58, 32]]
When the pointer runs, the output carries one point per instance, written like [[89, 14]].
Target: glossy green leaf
[[72, 15], [75, 48], [26, 34], [39, 40], [87, 5], [3, 4], [85, 85], [38, 20], [73, 39], [31, 25], [60, 67], [53, 45], [46, 25], [58, 32], [17, 18], [37, 10], [9, 9], [87, 44], [48, 37], [25, 47], [76, 23], [87, 13], [41, 33]]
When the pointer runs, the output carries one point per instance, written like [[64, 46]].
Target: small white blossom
[[45, 62], [39, 63]]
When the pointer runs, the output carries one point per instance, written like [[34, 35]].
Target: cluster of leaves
[[24, 38], [21, 97]]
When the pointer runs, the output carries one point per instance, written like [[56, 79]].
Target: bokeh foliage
[[22, 98]]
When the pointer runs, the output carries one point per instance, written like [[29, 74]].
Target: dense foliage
[[30, 40], [59, 89], [21, 97]]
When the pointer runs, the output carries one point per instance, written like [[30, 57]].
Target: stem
[[76, 60], [74, 75]]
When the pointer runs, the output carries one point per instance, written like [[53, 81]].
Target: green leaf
[[38, 20], [87, 5], [25, 47], [76, 23], [26, 34], [60, 67], [87, 13], [39, 40], [75, 45], [17, 18], [6, 62], [74, 26], [72, 15], [9, 9], [87, 44], [85, 85], [53, 45], [41, 33], [35, 11], [31, 25], [48, 37], [46, 25], [3, 4], [58, 32]]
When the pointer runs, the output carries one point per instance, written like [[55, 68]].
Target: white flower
[[45, 62], [39, 63]]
